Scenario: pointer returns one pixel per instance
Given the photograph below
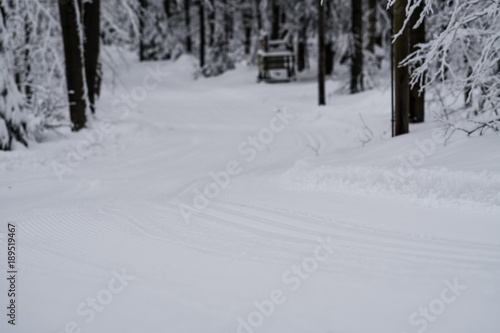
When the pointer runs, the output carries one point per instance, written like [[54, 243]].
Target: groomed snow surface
[[225, 206]]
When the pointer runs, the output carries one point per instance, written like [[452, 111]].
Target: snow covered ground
[[221, 205]]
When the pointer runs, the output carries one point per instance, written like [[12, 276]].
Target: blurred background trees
[[447, 48]]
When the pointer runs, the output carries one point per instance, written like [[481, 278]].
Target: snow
[[393, 235]]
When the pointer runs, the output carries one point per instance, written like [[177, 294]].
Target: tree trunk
[[329, 51], [275, 31], [401, 75], [417, 98], [357, 55], [211, 24], [372, 25], [247, 22], [321, 53], [226, 26], [91, 15], [142, 26], [28, 28], [75, 68], [202, 34], [187, 20], [301, 47]]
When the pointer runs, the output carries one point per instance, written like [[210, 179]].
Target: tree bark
[[202, 33], [28, 28], [91, 15], [211, 24], [417, 98], [75, 68], [372, 25], [187, 20], [275, 31], [321, 53], [301, 47], [401, 76], [357, 56], [329, 51], [142, 26], [247, 23]]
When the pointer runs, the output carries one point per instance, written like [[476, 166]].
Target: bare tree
[[72, 33], [417, 93], [202, 33], [357, 53], [372, 25], [92, 20], [321, 53], [187, 21], [401, 87]]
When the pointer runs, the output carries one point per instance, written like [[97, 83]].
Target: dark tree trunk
[[28, 27], [275, 31], [91, 18], [211, 23], [401, 75], [329, 51], [187, 20], [202, 33], [302, 45], [142, 27], [372, 25], [73, 45], [417, 98], [357, 54], [321, 52], [226, 26], [247, 21]]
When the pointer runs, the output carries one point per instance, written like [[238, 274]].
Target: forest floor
[[221, 205]]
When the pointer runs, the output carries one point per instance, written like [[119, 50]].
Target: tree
[[461, 57], [187, 21], [329, 49], [211, 23], [321, 53], [372, 25], [417, 93], [72, 32], [202, 33], [13, 120], [142, 30], [92, 20], [275, 30], [401, 75], [357, 53]]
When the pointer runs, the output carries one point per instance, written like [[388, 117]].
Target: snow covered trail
[[314, 233]]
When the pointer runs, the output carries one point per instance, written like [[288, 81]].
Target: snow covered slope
[[222, 205]]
